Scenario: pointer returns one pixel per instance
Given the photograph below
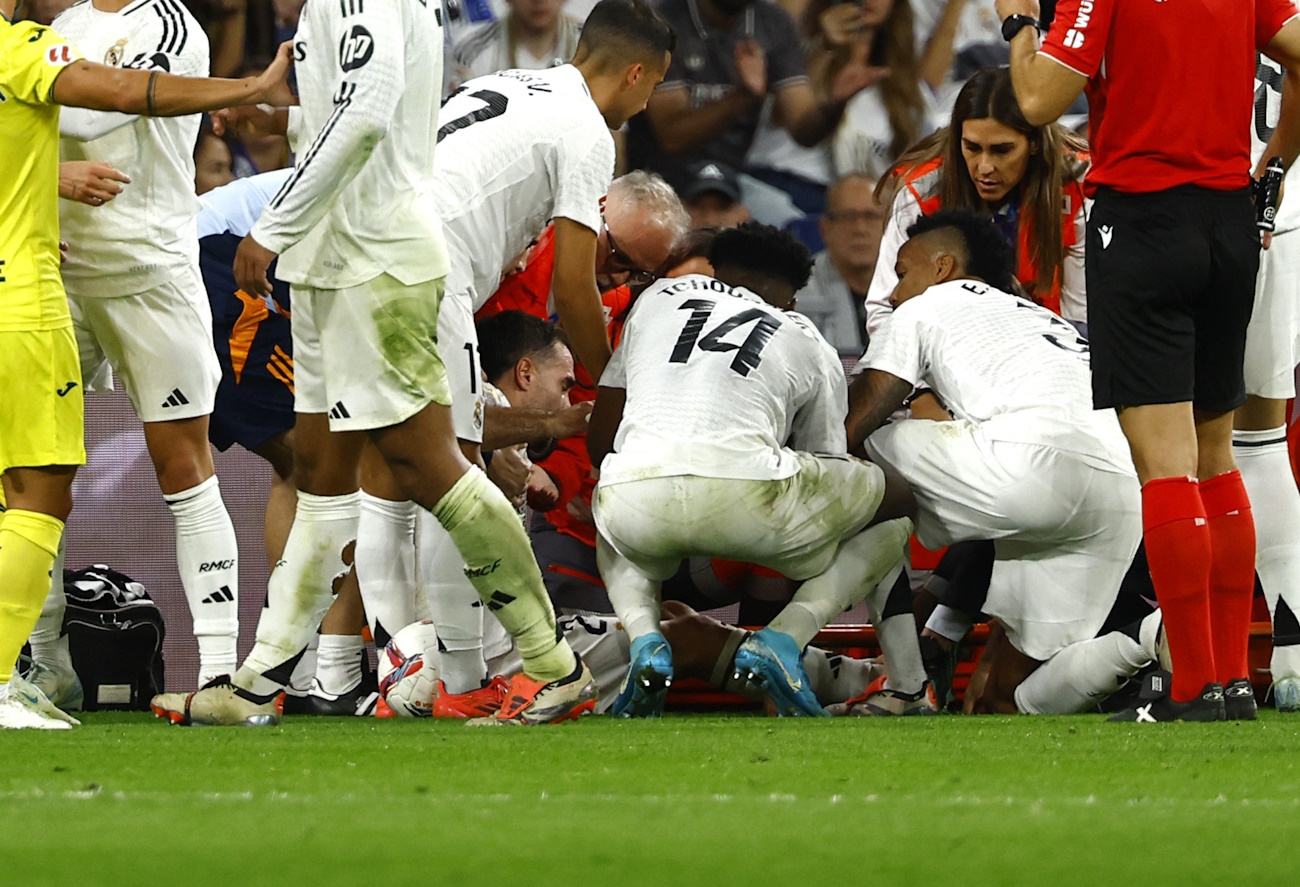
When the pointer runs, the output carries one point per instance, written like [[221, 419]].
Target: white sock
[[1081, 675], [207, 555], [635, 598], [948, 623], [304, 673], [338, 662], [385, 561], [1265, 466], [49, 643], [836, 678], [896, 632], [456, 607], [300, 590], [859, 566]]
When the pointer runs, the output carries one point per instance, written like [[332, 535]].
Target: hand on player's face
[[251, 262], [997, 157]]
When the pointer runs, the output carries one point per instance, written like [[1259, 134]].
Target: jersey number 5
[[748, 353], [494, 106]]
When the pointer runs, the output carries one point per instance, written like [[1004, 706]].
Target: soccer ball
[[408, 671]]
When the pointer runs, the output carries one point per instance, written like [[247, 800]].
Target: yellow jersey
[[31, 290]]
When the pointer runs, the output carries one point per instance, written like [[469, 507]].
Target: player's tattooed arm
[[605, 419], [873, 398]]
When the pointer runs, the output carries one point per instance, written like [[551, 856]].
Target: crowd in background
[[765, 106]]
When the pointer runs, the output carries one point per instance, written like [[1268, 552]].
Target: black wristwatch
[[1012, 24]]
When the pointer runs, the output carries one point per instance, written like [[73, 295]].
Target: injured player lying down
[[703, 648], [1026, 462], [718, 430]]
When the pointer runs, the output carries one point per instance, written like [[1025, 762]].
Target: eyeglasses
[[621, 262]]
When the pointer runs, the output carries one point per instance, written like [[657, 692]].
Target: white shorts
[[458, 344], [1065, 531], [1273, 335], [602, 644], [367, 355], [159, 343], [793, 526]]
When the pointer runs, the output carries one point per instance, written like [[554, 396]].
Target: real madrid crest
[[113, 58], [694, 62], [478, 414]]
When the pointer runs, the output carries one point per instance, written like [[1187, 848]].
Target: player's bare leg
[[427, 463], [207, 552], [1260, 448], [38, 501], [283, 497], [1007, 667]]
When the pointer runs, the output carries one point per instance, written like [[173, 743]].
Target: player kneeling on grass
[[718, 431], [1027, 462]]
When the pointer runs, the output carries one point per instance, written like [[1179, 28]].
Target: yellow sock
[[500, 565], [29, 542]]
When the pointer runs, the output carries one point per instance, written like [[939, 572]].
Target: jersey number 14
[[749, 353]]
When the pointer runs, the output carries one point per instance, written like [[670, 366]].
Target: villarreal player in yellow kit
[[41, 408]]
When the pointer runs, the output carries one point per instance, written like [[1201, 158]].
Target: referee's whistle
[[1267, 191]]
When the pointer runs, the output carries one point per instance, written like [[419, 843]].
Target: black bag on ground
[[115, 634]]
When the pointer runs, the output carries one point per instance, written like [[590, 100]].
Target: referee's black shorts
[[1171, 284]]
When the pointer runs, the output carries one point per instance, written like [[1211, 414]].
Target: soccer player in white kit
[[1259, 436], [362, 246], [515, 149], [719, 431], [137, 299], [1026, 462]]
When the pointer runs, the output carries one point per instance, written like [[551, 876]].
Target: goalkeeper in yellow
[[41, 421]]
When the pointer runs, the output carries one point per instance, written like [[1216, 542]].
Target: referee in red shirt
[[1171, 256]]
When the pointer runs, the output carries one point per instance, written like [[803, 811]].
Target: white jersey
[[1011, 366], [718, 384], [359, 203], [906, 211], [146, 234], [515, 149], [1268, 106]]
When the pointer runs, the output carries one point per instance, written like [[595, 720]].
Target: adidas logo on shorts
[[175, 399], [340, 411]]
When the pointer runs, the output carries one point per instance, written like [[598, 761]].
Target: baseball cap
[[711, 175]]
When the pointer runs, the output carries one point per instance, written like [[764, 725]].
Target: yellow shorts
[[42, 411]]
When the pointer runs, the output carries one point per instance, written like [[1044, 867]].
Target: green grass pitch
[[691, 799]]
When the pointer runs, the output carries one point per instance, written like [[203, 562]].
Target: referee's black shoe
[[1239, 701], [1159, 707]]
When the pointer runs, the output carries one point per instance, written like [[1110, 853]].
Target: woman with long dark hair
[[989, 159]]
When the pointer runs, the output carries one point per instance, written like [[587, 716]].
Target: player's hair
[[987, 255], [762, 249], [624, 31], [656, 199], [695, 243], [1056, 155], [508, 337]]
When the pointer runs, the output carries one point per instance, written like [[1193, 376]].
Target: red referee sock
[[1232, 572], [1177, 539]]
